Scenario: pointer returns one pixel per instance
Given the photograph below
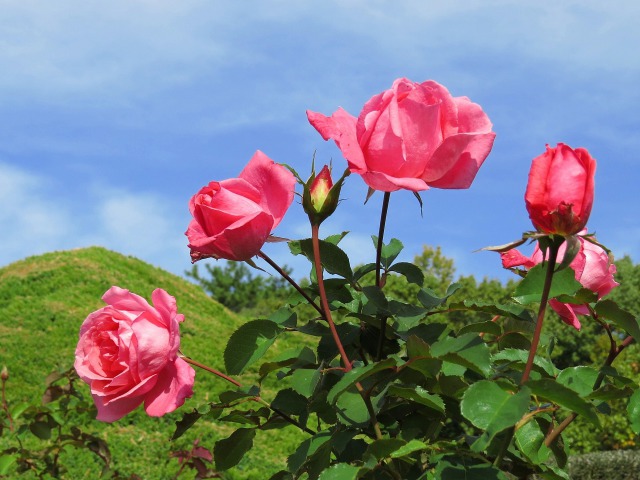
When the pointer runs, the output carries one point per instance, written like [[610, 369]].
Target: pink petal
[[174, 385], [385, 183], [122, 299], [513, 258], [341, 127], [566, 313], [275, 183], [117, 409], [456, 161]]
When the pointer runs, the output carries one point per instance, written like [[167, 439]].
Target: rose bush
[[233, 218], [593, 269], [128, 354], [412, 136], [559, 193]]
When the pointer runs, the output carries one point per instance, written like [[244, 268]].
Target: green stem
[[293, 283], [211, 370], [383, 221]]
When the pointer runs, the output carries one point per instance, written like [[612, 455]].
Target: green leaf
[[307, 448], [456, 468], [341, 471], [290, 402], [530, 441], [418, 395], [579, 379], [5, 463], [305, 380], [285, 317], [389, 252], [467, 350], [230, 396], [488, 326], [411, 272], [633, 409], [411, 447], [619, 317], [509, 310], [565, 397], [228, 452], [185, 423], [492, 409], [333, 258], [357, 375], [521, 356], [41, 429], [248, 344], [384, 447], [530, 289]]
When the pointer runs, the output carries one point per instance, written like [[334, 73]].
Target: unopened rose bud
[[321, 195], [4, 374]]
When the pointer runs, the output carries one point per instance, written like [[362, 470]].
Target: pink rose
[[233, 218], [593, 270], [128, 354], [412, 136], [559, 194]]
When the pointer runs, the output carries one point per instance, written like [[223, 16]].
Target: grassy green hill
[[43, 301]]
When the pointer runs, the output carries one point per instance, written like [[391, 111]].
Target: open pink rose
[[412, 136], [233, 218], [128, 354], [559, 193], [593, 270]]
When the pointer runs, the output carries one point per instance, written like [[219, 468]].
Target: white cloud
[[35, 219]]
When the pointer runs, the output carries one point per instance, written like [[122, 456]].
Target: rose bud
[[320, 195], [593, 269], [559, 193], [413, 136]]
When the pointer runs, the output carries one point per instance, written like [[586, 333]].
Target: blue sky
[[112, 114]]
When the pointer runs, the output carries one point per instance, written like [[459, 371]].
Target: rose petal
[[174, 385]]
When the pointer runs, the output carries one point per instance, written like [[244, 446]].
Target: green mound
[[44, 300]]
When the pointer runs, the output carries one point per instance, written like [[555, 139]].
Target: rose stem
[[315, 229], [258, 399], [295, 285], [551, 263], [326, 311], [613, 354], [383, 221], [212, 370]]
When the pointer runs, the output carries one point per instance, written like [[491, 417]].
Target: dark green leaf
[[481, 327], [243, 392], [530, 289], [357, 375], [619, 317], [454, 468], [228, 452], [411, 272], [290, 402], [284, 317], [409, 448], [248, 344], [565, 397], [389, 252], [306, 449], [333, 258], [418, 395], [383, 448]]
